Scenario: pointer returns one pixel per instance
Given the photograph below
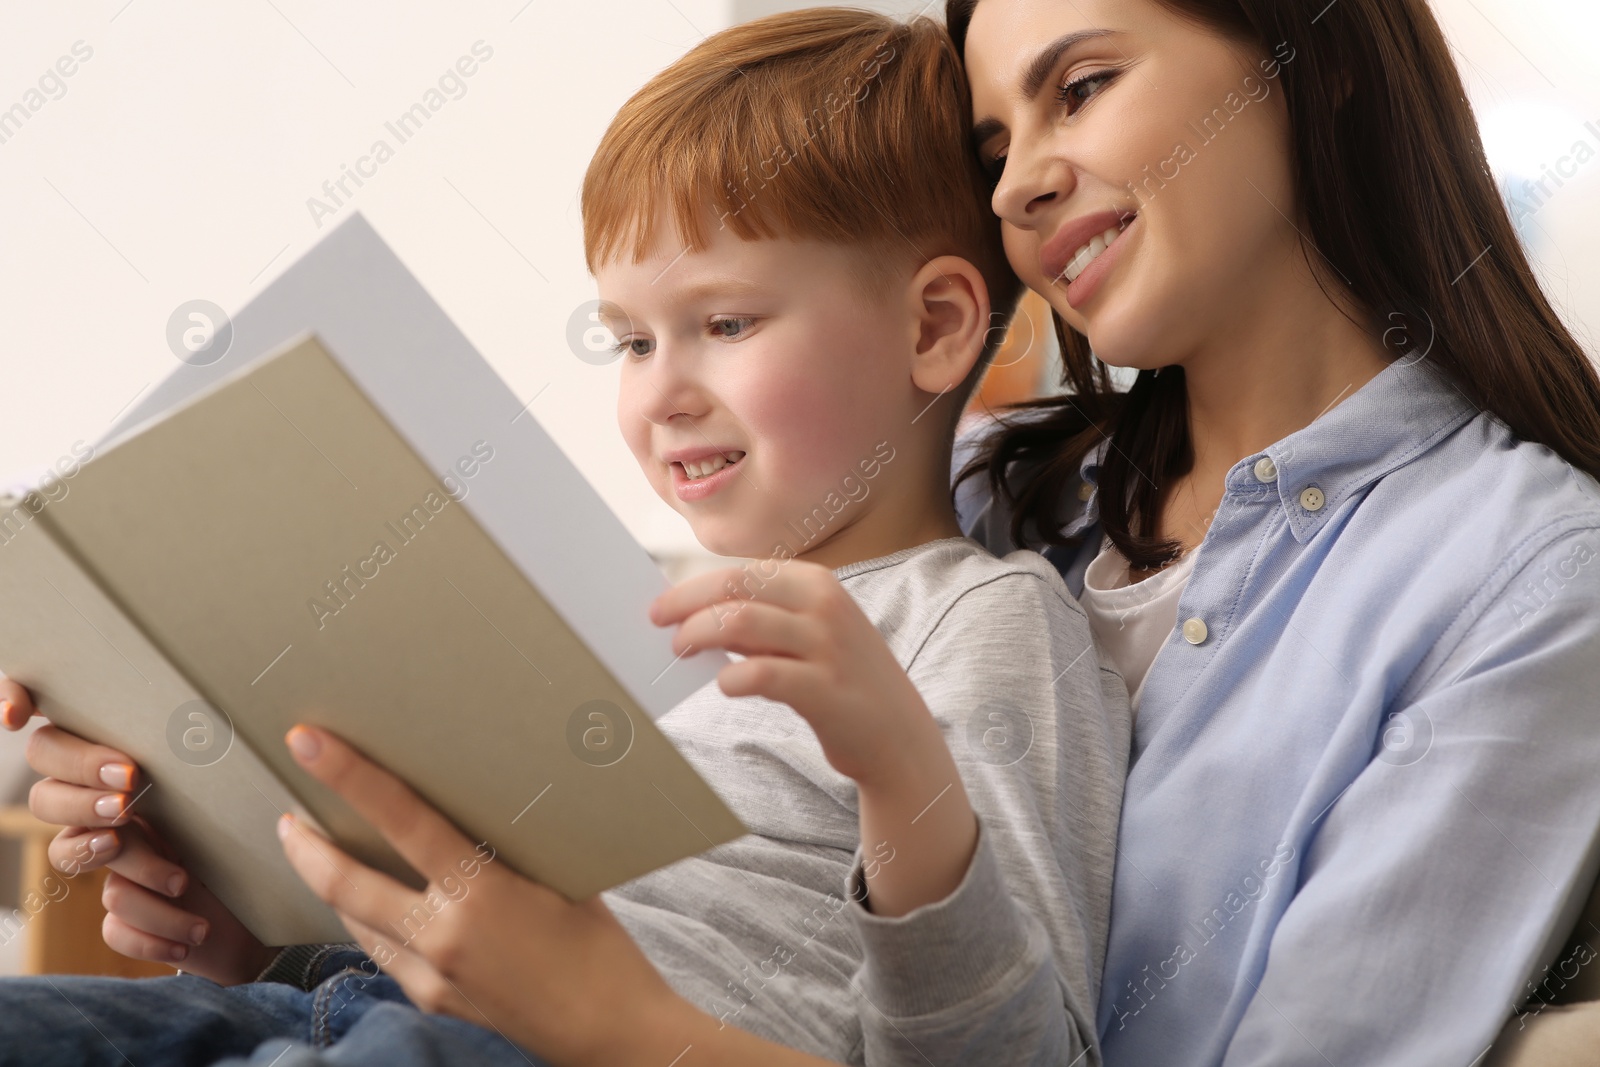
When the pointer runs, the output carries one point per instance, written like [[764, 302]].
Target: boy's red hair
[[833, 124]]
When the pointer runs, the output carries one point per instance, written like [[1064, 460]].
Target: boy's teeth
[[1089, 252], [701, 468]]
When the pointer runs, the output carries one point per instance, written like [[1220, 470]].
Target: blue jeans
[[355, 1015]]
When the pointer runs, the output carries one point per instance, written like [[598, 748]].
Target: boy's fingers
[[423, 837], [422, 982], [788, 588], [692, 594], [750, 630], [55, 753], [785, 681], [347, 885], [16, 704]]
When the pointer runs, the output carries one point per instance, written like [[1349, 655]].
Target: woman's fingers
[[151, 914], [137, 944], [82, 848], [16, 704], [126, 850], [55, 753], [64, 804], [142, 860]]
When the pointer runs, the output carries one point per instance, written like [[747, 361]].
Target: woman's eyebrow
[[1035, 74]]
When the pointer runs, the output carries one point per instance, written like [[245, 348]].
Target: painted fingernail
[[5, 712], [175, 887], [305, 744], [177, 952], [117, 775], [102, 842], [198, 934], [109, 806]]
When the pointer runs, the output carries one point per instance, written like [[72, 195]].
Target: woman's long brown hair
[[1399, 198]]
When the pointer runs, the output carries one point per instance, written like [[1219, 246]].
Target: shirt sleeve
[[1447, 876], [1006, 969]]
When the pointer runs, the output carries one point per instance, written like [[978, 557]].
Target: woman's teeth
[[1089, 252], [706, 467]]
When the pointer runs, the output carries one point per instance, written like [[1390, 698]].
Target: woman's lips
[[1081, 289], [1057, 252]]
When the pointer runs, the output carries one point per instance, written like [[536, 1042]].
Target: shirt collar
[[1392, 419]]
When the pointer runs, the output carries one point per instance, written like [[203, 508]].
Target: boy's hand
[[153, 907], [481, 942], [808, 645]]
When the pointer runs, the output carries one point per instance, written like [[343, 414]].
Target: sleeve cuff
[[972, 943], [292, 966]]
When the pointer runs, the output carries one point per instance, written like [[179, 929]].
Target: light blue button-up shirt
[[1364, 810]]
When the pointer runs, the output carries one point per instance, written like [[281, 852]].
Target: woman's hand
[[807, 644], [154, 910], [480, 942]]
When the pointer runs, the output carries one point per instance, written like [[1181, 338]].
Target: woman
[[1348, 500], [1347, 508]]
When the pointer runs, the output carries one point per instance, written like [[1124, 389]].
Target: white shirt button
[[1266, 470], [1194, 631], [1311, 498]]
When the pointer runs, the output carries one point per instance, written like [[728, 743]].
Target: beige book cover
[[271, 549]]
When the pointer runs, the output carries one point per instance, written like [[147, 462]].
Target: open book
[[350, 520]]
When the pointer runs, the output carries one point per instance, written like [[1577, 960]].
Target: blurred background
[[186, 155]]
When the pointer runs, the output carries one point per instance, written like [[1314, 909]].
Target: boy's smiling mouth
[[697, 473]]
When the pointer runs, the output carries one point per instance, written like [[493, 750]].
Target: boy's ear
[[950, 310]]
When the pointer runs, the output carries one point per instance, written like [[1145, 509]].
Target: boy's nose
[[672, 388]]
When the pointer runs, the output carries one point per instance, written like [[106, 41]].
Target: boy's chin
[[739, 544]]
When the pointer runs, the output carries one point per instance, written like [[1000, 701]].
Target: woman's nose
[[1034, 177]]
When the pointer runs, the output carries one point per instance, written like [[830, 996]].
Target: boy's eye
[[731, 328], [635, 347]]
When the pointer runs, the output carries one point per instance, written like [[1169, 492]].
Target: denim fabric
[[354, 1015]]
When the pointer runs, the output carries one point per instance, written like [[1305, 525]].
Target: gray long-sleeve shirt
[[767, 931]]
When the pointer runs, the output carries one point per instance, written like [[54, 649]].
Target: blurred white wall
[[177, 162]]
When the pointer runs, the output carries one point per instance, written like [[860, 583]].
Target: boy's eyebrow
[[1035, 73], [731, 286]]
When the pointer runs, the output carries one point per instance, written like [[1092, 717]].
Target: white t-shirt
[[1131, 623]]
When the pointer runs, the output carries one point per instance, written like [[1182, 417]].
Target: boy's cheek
[[635, 431]]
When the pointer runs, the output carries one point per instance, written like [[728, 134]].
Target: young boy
[[794, 252]]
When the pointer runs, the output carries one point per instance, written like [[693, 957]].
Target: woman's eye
[[993, 168], [732, 328], [1075, 94], [636, 347]]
